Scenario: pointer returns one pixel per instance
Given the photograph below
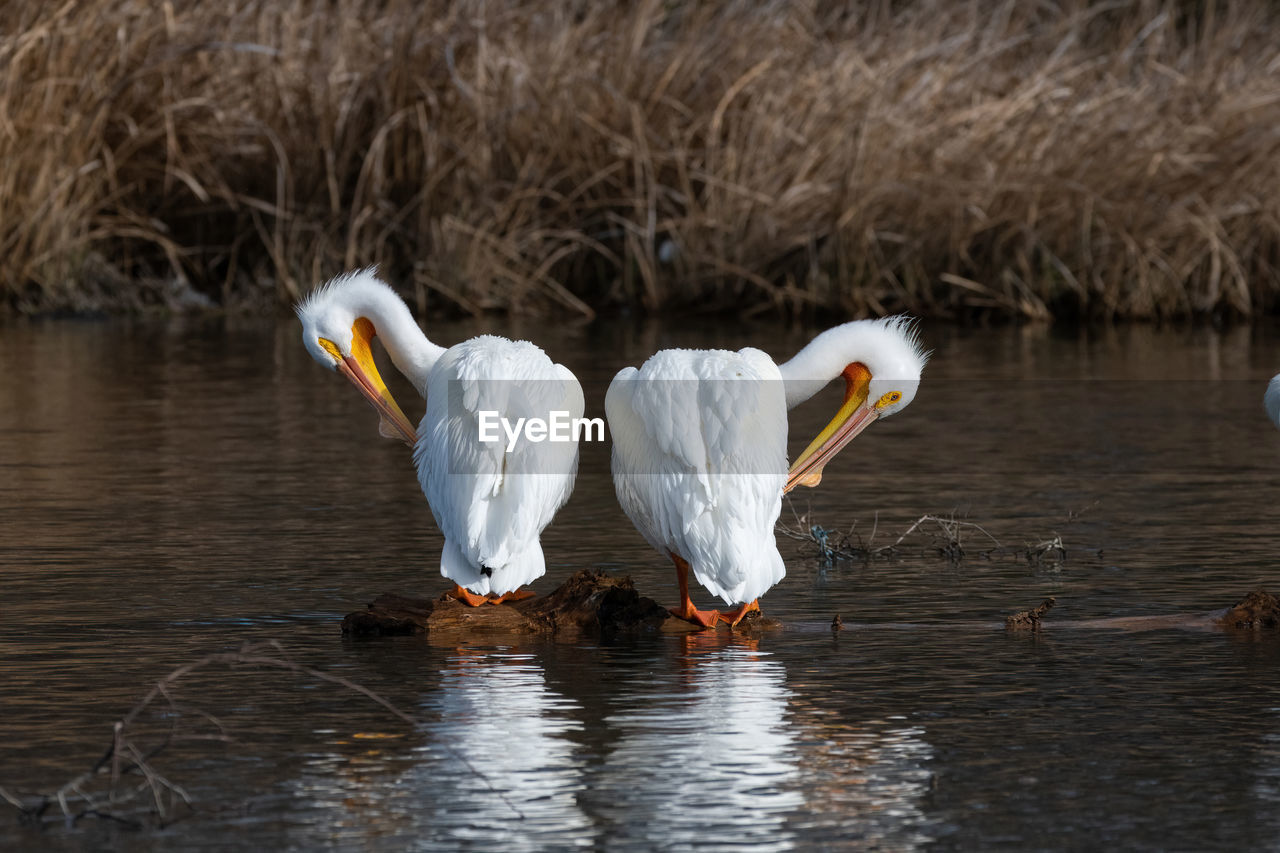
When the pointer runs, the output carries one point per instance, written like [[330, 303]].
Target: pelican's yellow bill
[[360, 369], [852, 418]]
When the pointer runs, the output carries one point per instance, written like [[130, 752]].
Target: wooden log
[[1257, 610], [589, 601], [600, 604]]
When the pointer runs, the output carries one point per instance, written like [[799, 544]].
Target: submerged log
[[589, 601], [1257, 611]]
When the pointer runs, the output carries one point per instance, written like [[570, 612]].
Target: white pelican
[[700, 447], [1272, 399], [491, 504]]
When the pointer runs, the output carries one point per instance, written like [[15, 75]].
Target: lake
[[168, 490]]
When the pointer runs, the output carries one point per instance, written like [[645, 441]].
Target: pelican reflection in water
[[496, 770], [504, 773], [702, 752], [719, 750]]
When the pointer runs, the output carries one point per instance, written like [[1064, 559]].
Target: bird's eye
[[889, 399]]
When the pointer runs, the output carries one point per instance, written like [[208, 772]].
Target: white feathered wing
[[700, 460], [491, 504]]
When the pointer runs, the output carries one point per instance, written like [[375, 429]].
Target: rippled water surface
[[170, 491]]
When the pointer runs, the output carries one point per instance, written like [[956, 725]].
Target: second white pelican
[[700, 447], [1272, 399], [490, 503]]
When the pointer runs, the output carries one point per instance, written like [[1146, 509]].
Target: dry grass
[[1025, 158]]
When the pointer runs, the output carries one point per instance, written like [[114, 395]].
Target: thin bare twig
[[125, 756], [946, 536]]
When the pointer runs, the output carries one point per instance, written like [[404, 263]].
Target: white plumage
[[700, 446], [490, 502], [700, 460]]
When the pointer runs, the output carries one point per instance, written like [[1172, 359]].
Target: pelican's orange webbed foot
[[735, 616], [691, 614], [466, 596], [686, 610], [514, 595]]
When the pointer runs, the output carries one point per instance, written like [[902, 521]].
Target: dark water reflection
[[170, 491]]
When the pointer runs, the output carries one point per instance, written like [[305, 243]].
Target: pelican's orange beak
[[855, 415], [363, 373]]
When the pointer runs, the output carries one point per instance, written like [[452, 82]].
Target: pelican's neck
[[410, 350], [886, 347], [811, 369]]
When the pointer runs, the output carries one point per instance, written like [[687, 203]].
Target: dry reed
[[1022, 158]]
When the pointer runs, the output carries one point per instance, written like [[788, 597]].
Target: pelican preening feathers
[[699, 439], [490, 504], [700, 447]]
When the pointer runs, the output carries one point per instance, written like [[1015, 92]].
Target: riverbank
[[1034, 160]]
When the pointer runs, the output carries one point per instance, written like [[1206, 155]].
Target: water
[[170, 491]]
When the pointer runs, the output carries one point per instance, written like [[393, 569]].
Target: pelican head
[[338, 328], [881, 362]]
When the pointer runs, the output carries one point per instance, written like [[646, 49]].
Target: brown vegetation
[[1027, 158]]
